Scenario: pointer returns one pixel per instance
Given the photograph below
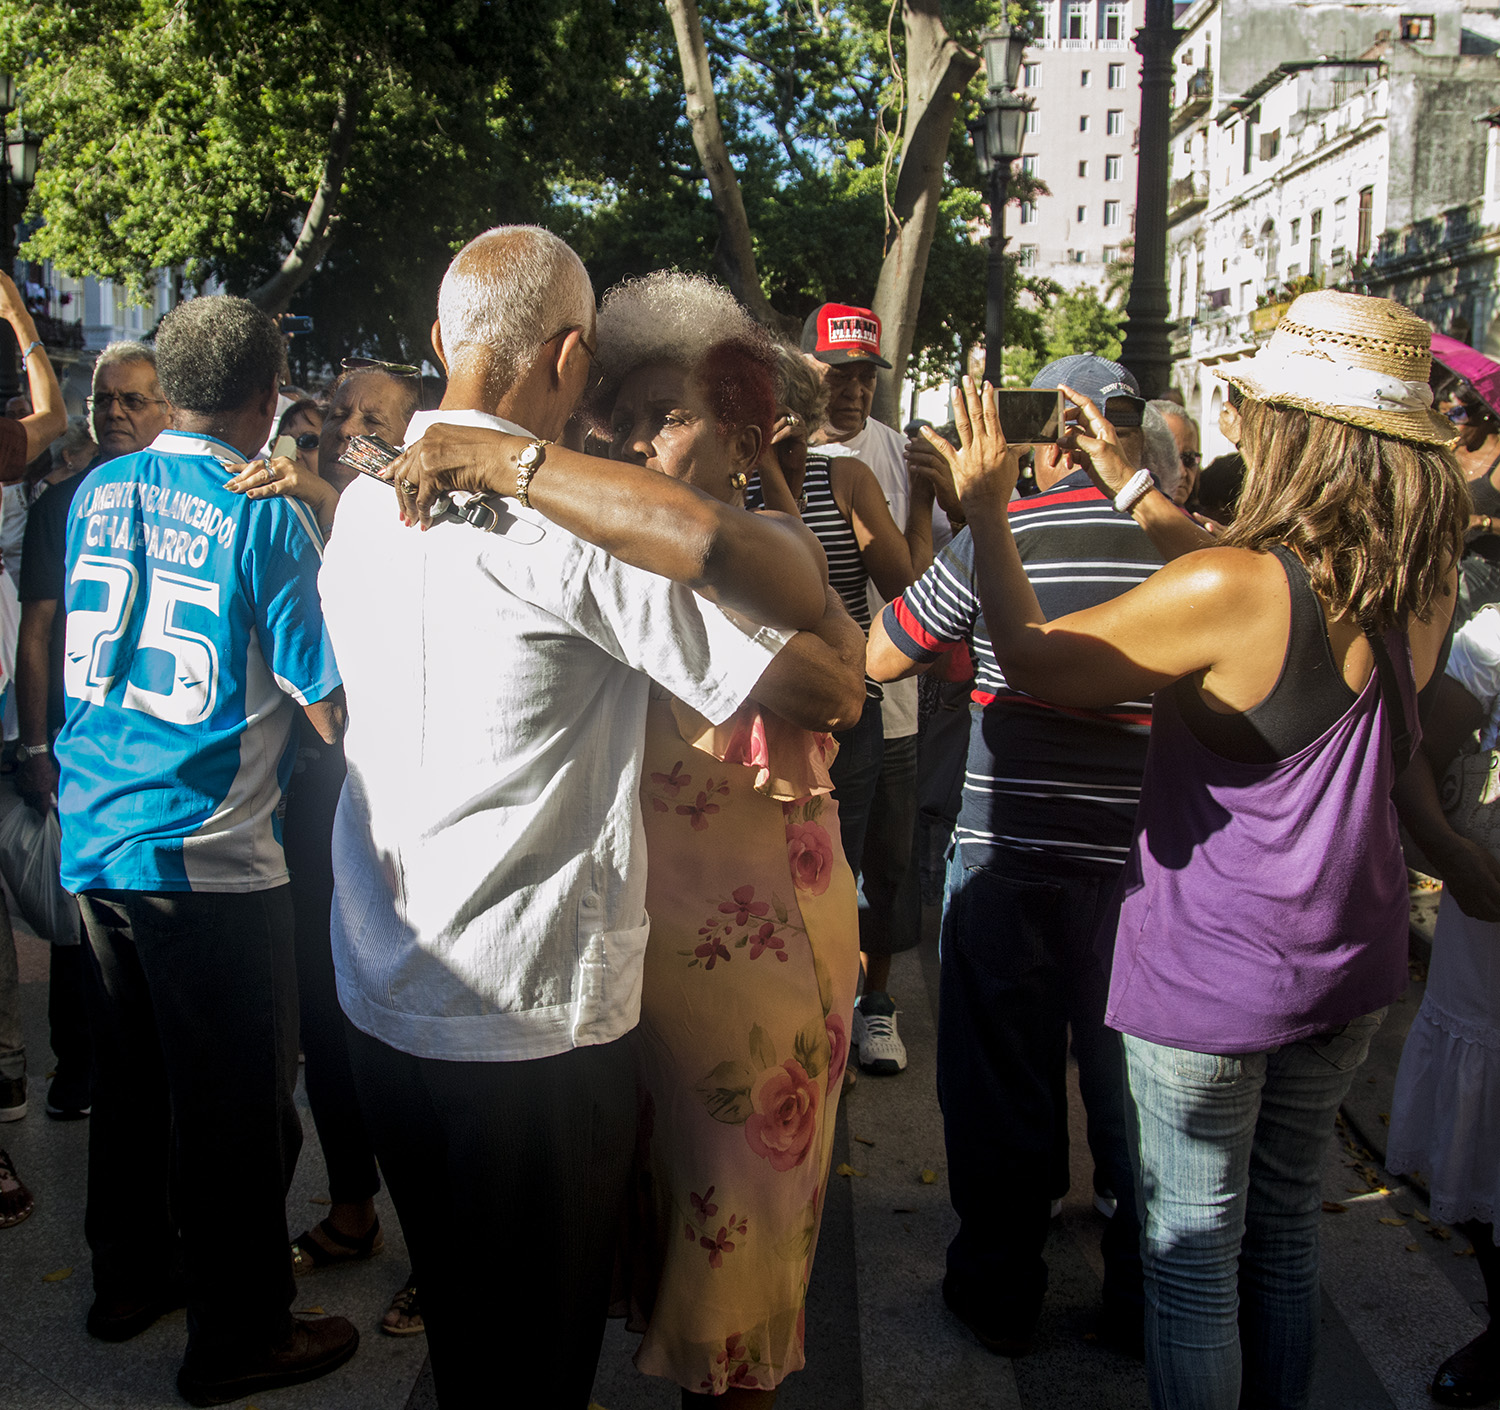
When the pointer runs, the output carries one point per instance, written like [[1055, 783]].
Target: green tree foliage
[[1068, 321]]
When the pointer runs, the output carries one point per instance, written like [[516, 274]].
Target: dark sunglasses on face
[[133, 402], [1191, 459], [308, 440]]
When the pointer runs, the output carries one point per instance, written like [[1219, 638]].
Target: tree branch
[[318, 231]]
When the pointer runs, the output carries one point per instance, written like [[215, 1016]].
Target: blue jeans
[[1229, 1157]]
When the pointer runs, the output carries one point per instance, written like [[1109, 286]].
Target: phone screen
[[1030, 416], [369, 455]]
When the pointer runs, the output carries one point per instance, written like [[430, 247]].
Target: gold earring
[[739, 479]]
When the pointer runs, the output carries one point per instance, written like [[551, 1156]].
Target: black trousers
[[308, 838], [511, 1181], [68, 1018], [1019, 969], [194, 1134]]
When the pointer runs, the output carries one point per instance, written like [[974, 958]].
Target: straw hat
[[1350, 358]]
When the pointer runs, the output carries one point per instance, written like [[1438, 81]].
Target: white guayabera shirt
[[489, 861]]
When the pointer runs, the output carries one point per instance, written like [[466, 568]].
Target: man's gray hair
[[123, 350], [216, 353], [1160, 456], [799, 388], [77, 435], [505, 294], [671, 317]]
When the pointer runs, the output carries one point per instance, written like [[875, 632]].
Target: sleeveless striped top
[[846, 566]]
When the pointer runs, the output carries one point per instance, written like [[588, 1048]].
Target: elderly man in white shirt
[[488, 918]]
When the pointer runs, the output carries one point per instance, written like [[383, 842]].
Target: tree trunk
[[734, 255], [318, 231], [937, 71]]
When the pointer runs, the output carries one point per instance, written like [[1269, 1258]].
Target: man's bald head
[[507, 293]]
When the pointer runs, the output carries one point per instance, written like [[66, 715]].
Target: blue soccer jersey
[[193, 625]]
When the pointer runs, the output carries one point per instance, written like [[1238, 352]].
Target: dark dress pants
[[855, 772], [1019, 966], [511, 1181], [307, 836], [68, 1020], [194, 1006], [890, 911]]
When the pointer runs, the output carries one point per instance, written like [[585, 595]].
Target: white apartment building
[[1084, 77], [1300, 168]]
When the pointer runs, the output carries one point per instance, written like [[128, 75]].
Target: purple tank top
[[1263, 903]]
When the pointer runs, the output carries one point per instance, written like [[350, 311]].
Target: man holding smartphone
[[1044, 827]]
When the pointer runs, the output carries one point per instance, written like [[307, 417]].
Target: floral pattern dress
[[746, 1007]]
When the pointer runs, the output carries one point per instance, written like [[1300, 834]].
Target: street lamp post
[[17, 176], [1148, 349], [997, 136]]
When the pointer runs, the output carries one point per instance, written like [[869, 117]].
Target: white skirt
[[1445, 1119]]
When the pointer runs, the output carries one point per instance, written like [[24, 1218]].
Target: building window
[[1073, 20], [1187, 146], [1315, 257], [1085, 78], [1028, 213], [1418, 28], [1031, 75], [1083, 215], [1026, 256], [1112, 20], [1365, 234], [1341, 218], [1317, 222], [1033, 121], [1083, 122], [1111, 168], [1117, 75], [1077, 256], [1297, 231], [1187, 59], [1270, 145], [1028, 165], [1293, 273], [1083, 170], [1111, 253], [1111, 212], [1114, 121]]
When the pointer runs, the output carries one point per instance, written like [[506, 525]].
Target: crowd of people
[[566, 818]]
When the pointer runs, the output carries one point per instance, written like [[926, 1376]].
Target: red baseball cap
[[837, 333]]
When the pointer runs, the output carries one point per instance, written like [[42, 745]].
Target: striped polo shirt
[[1041, 779]]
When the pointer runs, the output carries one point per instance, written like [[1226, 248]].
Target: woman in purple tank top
[[1263, 920]]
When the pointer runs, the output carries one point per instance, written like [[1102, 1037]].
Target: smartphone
[[370, 456], [1030, 416], [296, 323], [1123, 413]]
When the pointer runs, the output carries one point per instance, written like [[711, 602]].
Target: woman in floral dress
[[750, 971]]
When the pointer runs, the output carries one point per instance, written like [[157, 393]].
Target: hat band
[[1319, 378]]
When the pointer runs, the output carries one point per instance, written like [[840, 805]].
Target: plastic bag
[[30, 861]]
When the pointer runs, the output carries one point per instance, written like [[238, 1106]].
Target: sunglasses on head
[[365, 364]]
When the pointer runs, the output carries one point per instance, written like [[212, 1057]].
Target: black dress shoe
[[120, 1318], [1471, 1375], [311, 1349], [997, 1332]]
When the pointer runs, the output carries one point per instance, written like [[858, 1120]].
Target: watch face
[[530, 456]]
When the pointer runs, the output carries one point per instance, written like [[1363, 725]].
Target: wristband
[[1137, 487], [27, 351], [33, 751]]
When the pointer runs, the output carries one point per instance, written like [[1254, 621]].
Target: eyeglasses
[[133, 402], [367, 364], [1191, 459], [308, 440], [582, 341]]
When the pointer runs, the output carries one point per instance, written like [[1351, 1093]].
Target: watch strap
[[530, 462]]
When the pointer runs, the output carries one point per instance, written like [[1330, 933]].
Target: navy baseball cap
[[1099, 379]]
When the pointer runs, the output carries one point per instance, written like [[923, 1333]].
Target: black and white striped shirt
[[1041, 779]]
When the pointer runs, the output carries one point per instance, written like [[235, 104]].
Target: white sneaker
[[1056, 1209], [880, 1049]]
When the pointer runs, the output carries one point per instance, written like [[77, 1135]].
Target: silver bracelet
[[1137, 487]]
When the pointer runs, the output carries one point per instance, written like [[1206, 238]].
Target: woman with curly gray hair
[[748, 987]]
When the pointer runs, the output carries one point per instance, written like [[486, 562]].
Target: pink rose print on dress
[[765, 939], [784, 1113], [838, 1048], [809, 854], [742, 905]]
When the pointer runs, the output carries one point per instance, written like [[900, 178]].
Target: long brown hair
[[1379, 522]]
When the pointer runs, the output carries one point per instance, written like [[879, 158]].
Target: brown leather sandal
[[308, 1255]]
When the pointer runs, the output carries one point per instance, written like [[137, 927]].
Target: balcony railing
[[1187, 195], [57, 332], [1195, 101]]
